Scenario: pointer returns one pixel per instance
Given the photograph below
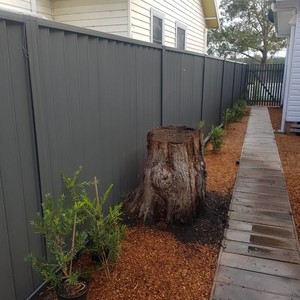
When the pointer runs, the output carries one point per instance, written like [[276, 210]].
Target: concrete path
[[260, 258]]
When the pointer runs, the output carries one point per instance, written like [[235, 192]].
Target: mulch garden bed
[[289, 151], [179, 262], [176, 262]]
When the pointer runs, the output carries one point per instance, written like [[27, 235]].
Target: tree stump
[[174, 180]]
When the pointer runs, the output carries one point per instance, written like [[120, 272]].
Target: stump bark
[[174, 179]]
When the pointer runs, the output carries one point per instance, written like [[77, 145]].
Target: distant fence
[[70, 97], [264, 84]]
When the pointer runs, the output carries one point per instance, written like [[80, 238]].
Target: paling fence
[[264, 84], [71, 97]]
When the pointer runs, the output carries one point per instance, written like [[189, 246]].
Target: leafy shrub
[[235, 113], [105, 232], [59, 227], [217, 137]]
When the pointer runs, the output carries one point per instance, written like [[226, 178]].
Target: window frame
[[182, 27], [160, 15]]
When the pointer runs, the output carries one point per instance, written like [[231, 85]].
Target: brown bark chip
[[289, 151], [176, 261]]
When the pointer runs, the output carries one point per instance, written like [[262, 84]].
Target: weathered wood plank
[[261, 265], [259, 281], [262, 229], [261, 251], [261, 190], [261, 240], [225, 291], [261, 181], [253, 210], [261, 219]]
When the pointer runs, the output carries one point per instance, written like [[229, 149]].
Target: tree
[[245, 30], [174, 181]]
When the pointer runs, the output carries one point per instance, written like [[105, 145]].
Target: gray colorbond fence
[[71, 97]]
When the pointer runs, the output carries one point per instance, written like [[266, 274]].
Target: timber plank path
[[260, 258]]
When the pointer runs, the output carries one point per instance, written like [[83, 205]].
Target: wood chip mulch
[[289, 151], [177, 262]]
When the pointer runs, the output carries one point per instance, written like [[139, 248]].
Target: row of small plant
[[230, 115], [235, 113], [74, 223]]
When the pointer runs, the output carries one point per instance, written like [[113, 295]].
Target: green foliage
[[201, 124], [235, 113], [58, 223], [105, 232], [216, 136], [245, 30]]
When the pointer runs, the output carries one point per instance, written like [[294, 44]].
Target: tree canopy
[[244, 30]]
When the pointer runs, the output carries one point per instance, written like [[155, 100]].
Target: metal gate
[[264, 84]]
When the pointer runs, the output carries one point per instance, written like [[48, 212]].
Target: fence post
[[221, 98], [31, 29], [203, 87], [163, 58], [233, 86]]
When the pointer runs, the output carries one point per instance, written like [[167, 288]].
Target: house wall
[[187, 12], [293, 108], [18, 4], [109, 16], [44, 7]]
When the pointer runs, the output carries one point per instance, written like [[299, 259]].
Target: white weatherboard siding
[[44, 8], [23, 5], [293, 109], [109, 16], [187, 12]]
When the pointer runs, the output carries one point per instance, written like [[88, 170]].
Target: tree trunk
[[174, 180]]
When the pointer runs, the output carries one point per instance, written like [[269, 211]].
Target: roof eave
[[211, 14]]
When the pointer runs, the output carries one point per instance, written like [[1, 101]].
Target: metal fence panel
[[100, 97], [19, 183], [228, 84], [237, 82], [212, 93], [183, 88], [86, 98]]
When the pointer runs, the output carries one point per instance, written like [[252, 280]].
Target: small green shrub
[[235, 113], [58, 224], [217, 137], [105, 232], [61, 225]]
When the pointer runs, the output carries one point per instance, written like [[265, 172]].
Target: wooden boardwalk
[[260, 258]]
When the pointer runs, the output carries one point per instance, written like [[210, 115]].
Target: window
[[180, 36], [157, 27]]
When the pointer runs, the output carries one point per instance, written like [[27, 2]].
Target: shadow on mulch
[[207, 229]]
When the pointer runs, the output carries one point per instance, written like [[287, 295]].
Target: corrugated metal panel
[[212, 92], [19, 188], [183, 84], [228, 83], [100, 97], [89, 100], [237, 82]]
